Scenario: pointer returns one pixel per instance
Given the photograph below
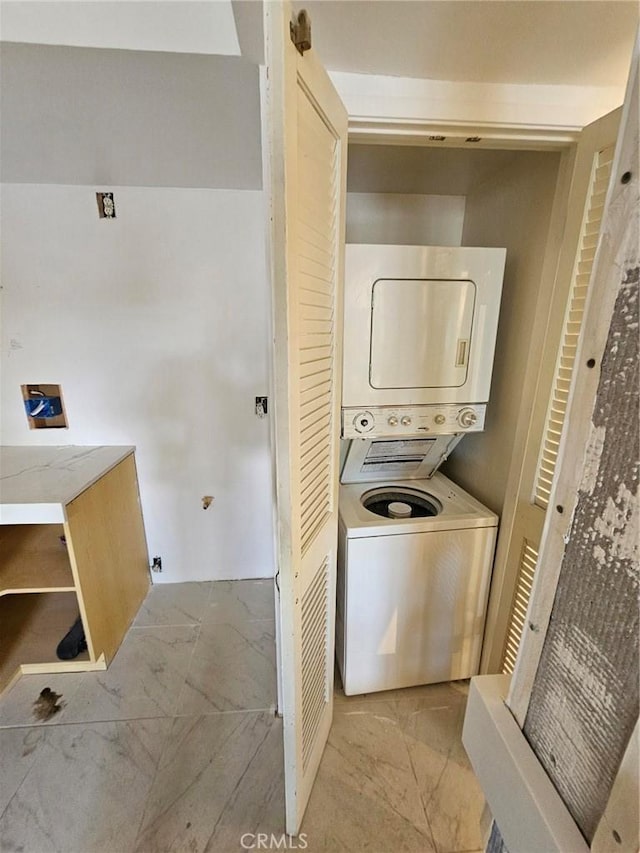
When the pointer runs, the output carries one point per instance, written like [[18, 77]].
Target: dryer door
[[409, 352], [420, 324]]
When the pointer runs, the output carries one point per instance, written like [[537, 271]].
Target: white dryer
[[420, 327], [414, 563]]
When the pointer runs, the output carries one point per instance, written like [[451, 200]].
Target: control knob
[[392, 421], [467, 418], [363, 422], [406, 420], [439, 419]]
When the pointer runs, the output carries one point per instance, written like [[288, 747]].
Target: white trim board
[[402, 108], [521, 797]]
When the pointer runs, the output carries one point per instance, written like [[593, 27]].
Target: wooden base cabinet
[[72, 543]]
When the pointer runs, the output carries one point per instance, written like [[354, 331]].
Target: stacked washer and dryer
[[415, 550]]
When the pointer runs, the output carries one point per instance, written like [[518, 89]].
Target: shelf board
[[33, 559], [31, 626]]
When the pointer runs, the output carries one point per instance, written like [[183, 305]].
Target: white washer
[[412, 590]]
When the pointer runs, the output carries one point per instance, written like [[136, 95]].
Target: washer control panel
[[412, 420]]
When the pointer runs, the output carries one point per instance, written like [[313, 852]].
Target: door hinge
[[300, 30]]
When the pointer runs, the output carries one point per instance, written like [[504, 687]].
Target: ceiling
[[570, 42], [522, 41]]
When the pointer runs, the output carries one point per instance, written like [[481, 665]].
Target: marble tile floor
[[176, 747]]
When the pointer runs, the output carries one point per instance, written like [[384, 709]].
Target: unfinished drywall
[[130, 118], [510, 208], [155, 324], [584, 702]]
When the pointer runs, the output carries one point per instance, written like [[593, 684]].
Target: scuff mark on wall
[[14, 346]]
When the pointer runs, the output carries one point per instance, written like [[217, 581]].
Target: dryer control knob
[[392, 421], [467, 417], [406, 420], [363, 422], [439, 419]]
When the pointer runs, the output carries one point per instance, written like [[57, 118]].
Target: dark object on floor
[[73, 642], [46, 705]]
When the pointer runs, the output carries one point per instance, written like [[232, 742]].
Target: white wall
[[421, 169], [196, 27], [405, 220], [79, 116], [155, 324], [512, 210]]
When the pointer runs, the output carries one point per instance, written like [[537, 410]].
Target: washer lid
[[374, 460]]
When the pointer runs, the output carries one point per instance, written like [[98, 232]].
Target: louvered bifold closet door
[[307, 180], [528, 529], [318, 182], [317, 257]]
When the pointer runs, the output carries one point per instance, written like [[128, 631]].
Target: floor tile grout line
[[198, 623], [173, 716], [238, 621], [163, 625]]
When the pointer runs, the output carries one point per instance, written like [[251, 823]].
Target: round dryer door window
[[399, 503]]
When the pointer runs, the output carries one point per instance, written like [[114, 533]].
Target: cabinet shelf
[[31, 626], [98, 571], [34, 559]]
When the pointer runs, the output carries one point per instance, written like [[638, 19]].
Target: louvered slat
[[573, 323], [522, 594], [315, 354], [316, 269], [313, 297], [317, 206], [314, 378], [315, 675]]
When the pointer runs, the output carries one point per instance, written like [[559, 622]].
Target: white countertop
[[36, 483]]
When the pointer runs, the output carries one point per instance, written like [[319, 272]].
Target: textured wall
[[584, 704]]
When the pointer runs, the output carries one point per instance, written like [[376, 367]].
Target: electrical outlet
[[261, 407], [106, 205]]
